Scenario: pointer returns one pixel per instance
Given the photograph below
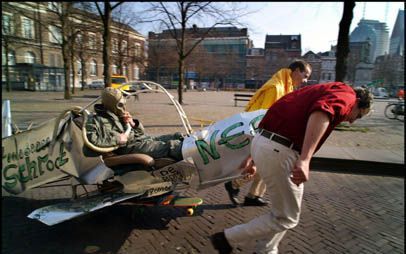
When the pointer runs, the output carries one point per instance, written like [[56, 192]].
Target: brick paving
[[342, 213]]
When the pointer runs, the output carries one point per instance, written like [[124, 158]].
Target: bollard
[[6, 129]]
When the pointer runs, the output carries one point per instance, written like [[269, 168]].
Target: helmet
[[114, 100]]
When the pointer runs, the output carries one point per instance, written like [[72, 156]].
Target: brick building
[[280, 51], [32, 39], [219, 60]]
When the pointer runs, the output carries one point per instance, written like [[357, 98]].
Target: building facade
[[328, 66], [280, 51], [218, 60], [256, 69], [397, 39], [376, 33], [359, 53], [315, 62], [32, 39], [391, 70]]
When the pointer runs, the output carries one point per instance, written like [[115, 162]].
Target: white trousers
[[274, 163]]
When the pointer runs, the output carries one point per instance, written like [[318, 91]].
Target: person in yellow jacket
[[282, 83]]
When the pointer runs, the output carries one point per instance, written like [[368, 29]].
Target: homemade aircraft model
[[58, 150]]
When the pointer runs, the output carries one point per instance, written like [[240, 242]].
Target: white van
[[380, 92]]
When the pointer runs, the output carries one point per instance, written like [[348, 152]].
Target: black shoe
[[257, 201], [232, 193], [220, 243]]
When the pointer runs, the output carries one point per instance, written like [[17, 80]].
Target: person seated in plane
[[108, 126]]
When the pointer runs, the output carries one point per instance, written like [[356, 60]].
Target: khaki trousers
[[274, 163]]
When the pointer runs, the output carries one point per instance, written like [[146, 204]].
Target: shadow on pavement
[[105, 230]]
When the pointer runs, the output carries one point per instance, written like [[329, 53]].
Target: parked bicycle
[[395, 110]]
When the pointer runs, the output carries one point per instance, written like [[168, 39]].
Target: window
[[136, 73], [79, 39], [124, 46], [137, 49], [93, 68], [92, 41], [11, 57], [8, 25], [115, 45], [29, 57], [55, 6], [125, 70], [55, 35], [329, 76], [114, 69], [79, 64], [27, 28], [52, 60]]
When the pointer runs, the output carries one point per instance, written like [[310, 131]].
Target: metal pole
[[6, 129]]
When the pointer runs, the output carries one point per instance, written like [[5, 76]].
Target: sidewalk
[[361, 154], [359, 160]]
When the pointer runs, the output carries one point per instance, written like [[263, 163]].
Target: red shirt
[[289, 115]]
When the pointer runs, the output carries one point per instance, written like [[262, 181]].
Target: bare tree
[[106, 20], [343, 40], [177, 17]]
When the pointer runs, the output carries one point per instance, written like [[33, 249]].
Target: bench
[[241, 97]]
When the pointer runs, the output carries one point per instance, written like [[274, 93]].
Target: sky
[[316, 22]]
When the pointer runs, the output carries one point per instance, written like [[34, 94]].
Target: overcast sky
[[317, 22]]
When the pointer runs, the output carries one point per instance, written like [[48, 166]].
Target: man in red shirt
[[292, 130]]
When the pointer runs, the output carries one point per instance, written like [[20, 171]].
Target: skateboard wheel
[[189, 211]]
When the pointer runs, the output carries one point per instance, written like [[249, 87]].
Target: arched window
[[79, 64], [29, 57], [93, 68]]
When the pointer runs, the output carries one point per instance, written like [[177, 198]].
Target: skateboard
[[188, 203]]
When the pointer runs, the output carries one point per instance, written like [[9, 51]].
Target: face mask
[[120, 107]]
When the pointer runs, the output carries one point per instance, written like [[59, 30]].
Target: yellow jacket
[[279, 85]]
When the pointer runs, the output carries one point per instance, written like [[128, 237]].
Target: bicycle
[[395, 110]]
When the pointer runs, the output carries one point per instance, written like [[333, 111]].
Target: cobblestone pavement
[[341, 213]]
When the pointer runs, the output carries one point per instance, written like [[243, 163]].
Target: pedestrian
[[107, 127], [283, 82], [292, 130]]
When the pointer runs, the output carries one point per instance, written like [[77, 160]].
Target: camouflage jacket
[[104, 127]]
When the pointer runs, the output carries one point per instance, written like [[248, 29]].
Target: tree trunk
[[107, 45], [64, 18], [180, 73], [66, 66], [84, 73], [8, 87], [343, 40], [72, 61]]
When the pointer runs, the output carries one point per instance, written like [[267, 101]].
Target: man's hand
[[249, 168], [300, 172], [122, 139], [127, 118]]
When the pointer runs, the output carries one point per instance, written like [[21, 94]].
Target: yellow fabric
[[279, 85]]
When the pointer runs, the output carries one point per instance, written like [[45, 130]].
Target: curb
[[357, 167]]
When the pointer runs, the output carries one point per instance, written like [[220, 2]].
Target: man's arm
[[316, 127]]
